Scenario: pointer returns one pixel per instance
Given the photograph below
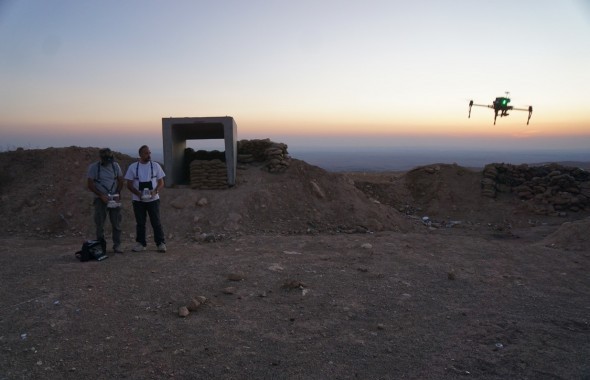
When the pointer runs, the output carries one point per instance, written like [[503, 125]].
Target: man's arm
[[92, 187], [120, 180], [159, 185], [132, 189], [120, 183]]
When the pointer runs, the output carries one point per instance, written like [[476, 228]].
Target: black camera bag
[[92, 250]]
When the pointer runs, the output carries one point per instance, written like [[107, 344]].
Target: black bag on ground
[[92, 250]]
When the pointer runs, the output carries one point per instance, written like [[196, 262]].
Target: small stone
[[293, 284], [235, 276], [275, 267], [366, 246], [201, 299], [451, 275], [228, 290], [193, 305], [317, 191], [183, 311]]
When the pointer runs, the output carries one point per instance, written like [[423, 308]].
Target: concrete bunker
[[177, 130]]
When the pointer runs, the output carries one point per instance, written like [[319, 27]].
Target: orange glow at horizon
[[516, 129]]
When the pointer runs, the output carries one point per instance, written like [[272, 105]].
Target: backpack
[[92, 250]]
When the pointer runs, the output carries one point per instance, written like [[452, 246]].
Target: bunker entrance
[[204, 167]]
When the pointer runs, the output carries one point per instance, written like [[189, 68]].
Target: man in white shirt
[[145, 179]]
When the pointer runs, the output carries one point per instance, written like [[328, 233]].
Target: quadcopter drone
[[500, 105]]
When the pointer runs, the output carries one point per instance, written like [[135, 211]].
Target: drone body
[[501, 107]]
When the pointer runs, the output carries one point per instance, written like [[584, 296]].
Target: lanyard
[[97, 179], [137, 170]]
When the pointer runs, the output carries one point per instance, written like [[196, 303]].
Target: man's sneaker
[[117, 249], [138, 247], [161, 247]]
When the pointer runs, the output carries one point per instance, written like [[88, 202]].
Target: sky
[[315, 74]]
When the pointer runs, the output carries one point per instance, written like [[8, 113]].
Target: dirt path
[[371, 306]]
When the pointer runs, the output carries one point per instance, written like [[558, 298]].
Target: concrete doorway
[[177, 130]]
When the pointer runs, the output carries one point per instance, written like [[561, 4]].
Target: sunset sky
[[308, 73]]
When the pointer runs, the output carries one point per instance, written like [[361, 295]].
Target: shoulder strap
[[97, 179], [137, 170]]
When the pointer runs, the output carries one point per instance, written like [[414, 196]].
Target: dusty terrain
[[306, 274]]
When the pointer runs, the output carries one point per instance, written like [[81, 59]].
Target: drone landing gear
[[501, 107], [530, 113]]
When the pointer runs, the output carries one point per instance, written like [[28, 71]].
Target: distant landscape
[[340, 159], [406, 159], [403, 159]]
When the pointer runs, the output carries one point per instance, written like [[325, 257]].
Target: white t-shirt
[[148, 172]]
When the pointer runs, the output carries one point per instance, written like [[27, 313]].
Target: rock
[[235, 276], [366, 246], [183, 311], [234, 217], [193, 305], [293, 284], [546, 187], [229, 290], [178, 203], [316, 190], [275, 267]]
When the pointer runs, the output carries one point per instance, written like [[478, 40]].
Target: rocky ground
[[299, 274]]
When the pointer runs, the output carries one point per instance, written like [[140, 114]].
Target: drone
[[501, 107]]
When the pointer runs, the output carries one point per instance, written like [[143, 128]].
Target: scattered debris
[[293, 284]]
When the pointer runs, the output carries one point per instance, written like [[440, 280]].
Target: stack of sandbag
[[274, 155], [208, 174]]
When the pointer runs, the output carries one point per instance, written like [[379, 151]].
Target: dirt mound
[[441, 192], [44, 192], [571, 236]]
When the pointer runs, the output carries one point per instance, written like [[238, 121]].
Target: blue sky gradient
[[330, 73]]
